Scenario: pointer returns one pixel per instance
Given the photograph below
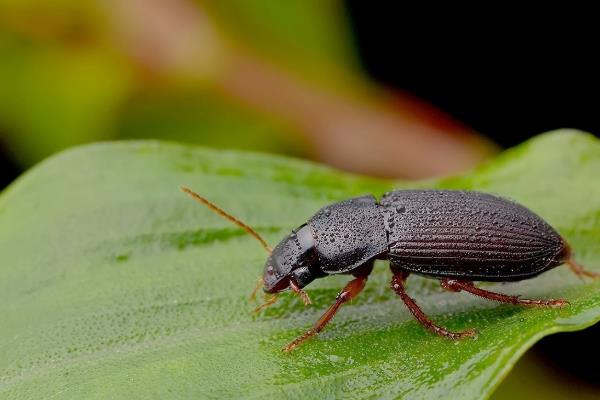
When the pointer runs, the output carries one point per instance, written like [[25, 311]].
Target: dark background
[[8, 169], [508, 75]]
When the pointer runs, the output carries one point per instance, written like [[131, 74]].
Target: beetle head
[[292, 261], [290, 265]]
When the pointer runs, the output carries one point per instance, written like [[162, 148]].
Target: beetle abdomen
[[464, 234]]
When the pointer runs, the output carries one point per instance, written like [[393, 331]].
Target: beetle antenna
[[259, 283], [226, 215]]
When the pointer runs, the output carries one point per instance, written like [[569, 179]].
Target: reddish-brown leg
[[580, 271], [456, 286], [301, 293], [398, 283], [352, 289]]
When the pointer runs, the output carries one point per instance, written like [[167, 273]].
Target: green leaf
[[113, 284]]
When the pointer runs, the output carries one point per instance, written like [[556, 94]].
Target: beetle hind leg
[[467, 286], [398, 286], [579, 270]]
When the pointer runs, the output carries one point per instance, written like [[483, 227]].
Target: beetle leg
[[398, 283], [269, 301], [301, 293], [457, 286], [580, 271], [351, 290]]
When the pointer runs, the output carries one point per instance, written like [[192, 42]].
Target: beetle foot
[[467, 286], [467, 333], [460, 335], [299, 340], [557, 303], [303, 295]]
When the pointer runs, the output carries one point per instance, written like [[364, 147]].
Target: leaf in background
[[115, 285], [52, 99], [312, 37], [66, 79], [207, 118]]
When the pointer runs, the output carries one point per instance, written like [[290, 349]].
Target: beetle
[[457, 237]]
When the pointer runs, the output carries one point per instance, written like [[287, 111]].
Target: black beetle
[[455, 236]]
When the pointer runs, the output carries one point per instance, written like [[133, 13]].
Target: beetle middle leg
[[457, 286], [398, 283]]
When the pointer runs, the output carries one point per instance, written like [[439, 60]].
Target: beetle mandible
[[455, 236]]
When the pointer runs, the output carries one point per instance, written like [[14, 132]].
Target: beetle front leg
[[398, 283], [351, 290], [456, 286]]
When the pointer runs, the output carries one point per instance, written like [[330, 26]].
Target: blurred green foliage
[[66, 79], [204, 117], [310, 36]]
